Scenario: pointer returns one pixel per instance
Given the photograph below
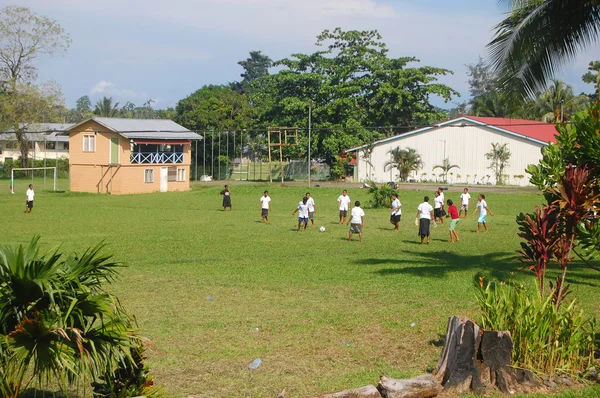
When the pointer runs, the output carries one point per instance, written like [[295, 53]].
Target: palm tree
[[539, 36], [405, 160], [499, 155], [104, 107], [558, 103], [446, 167], [56, 320]]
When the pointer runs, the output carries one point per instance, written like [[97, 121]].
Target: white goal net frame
[[12, 175]]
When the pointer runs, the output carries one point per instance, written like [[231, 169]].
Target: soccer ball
[[322, 229]]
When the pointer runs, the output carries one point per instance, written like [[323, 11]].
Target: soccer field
[[214, 290]]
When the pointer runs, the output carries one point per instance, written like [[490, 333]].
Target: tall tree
[[487, 98], [214, 108], [593, 77], [24, 36], [24, 105], [558, 103], [255, 67], [538, 37], [354, 90], [105, 107]]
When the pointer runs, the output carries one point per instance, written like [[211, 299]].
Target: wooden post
[[269, 144]]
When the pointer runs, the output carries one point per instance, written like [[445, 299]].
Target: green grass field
[[214, 290]]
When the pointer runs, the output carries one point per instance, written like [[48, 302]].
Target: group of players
[[426, 213]]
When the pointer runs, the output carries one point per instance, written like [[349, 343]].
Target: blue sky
[[135, 50]]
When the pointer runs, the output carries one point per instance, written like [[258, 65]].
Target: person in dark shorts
[[29, 202], [226, 198], [343, 203], [265, 206], [438, 207], [357, 221], [396, 211], [424, 215]]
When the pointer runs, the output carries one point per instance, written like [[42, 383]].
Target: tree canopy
[[24, 36]]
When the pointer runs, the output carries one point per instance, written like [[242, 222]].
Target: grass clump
[[546, 340]]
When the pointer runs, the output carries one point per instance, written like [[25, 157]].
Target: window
[[11, 145], [66, 146], [148, 175], [89, 143], [181, 174], [50, 145], [172, 176]]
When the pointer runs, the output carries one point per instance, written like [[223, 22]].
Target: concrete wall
[[464, 146], [39, 152]]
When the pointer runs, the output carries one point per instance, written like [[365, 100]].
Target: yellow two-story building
[[125, 156]]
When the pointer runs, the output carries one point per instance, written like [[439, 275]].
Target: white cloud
[[109, 89]]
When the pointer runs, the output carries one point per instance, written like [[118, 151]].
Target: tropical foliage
[[569, 176], [381, 195], [446, 166], [499, 157], [57, 322], [405, 161], [546, 339], [539, 36]]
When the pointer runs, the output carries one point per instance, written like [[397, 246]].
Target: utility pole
[[309, 128]]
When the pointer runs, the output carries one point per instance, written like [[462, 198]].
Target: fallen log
[[423, 386], [362, 392]]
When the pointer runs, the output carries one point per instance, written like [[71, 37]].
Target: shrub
[[56, 320], [546, 339], [382, 197]]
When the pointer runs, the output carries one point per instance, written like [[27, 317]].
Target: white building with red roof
[[464, 141]]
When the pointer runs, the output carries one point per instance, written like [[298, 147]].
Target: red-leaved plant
[[550, 233]]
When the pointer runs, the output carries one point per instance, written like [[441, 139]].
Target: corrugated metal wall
[[464, 146]]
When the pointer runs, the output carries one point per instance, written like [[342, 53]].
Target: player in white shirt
[[311, 209], [441, 191], [302, 210], [424, 215], [465, 201], [343, 204], [265, 206], [357, 221], [29, 202], [483, 211], [438, 206], [396, 211]]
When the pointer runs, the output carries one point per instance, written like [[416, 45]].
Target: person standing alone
[[343, 202], [226, 198], [29, 203], [396, 211], [465, 201], [265, 206]]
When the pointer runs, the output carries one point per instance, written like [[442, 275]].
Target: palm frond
[[538, 37]]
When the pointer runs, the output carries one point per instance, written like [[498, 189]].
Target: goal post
[[12, 175]]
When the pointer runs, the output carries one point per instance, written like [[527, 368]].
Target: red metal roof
[[529, 128]]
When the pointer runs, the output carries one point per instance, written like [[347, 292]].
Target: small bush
[[382, 197], [546, 340]]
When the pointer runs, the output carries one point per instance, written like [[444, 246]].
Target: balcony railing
[[156, 157]]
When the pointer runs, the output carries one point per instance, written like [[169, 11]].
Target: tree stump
[[479, 360], [423, 386]]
